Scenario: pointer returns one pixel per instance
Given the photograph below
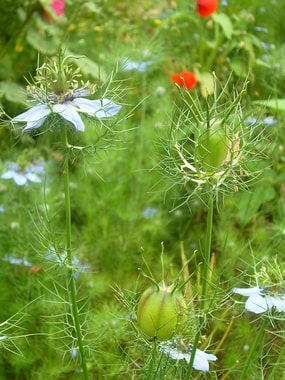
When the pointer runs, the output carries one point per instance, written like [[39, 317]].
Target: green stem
[[253, 350], [205, 280], [70, 274], [207, 253]]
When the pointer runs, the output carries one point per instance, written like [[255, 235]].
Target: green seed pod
[[161, 311], [212, 146]]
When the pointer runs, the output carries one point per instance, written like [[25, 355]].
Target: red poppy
[[185, 79], [206, 8]]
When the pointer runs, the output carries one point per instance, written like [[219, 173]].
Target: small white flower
[[261, 299], [178, 351], [69, 109]]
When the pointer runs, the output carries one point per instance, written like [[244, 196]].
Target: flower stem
[[70, 274], [207, 253], [205, 280]]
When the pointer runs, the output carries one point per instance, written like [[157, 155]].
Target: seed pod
[[212, 146], [161, 311]]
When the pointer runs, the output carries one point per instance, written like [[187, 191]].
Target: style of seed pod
[[161, 311], [212, 146]]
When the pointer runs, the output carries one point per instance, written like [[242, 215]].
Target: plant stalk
[[205, 280], [70, 273]]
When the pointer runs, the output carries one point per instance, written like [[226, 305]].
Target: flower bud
[[161, 311], [212, 147]]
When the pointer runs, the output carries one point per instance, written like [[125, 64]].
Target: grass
[[127, 196]]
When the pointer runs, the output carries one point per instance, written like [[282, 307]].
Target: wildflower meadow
[[142, 190]]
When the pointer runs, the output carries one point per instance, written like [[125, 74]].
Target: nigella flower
[[141, 67], [69, 108], [177, 350], [185, 79], [57, 90], [13, 260], [22, 176], [260, 299], [149, 212], [61, 260], [206, 8]]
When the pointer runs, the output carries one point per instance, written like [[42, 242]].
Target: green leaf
[[87, 66], [224, 21], [42, 43], [276, 104], [12, 92]]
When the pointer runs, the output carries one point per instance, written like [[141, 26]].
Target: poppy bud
[[212, 146], [161, 311]]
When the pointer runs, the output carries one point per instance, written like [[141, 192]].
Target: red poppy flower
[[206, 8], [185, 79]]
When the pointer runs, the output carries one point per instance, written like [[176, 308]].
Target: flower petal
[[34, 117], [201, 360], [69, 113], [258, 304], [8, 175], [100, 108], [278, 302], [20, 179], [247, 291], [33, 178]]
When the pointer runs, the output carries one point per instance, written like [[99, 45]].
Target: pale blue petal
[[69, 113], [278, 302], [20, 179], [100, 108], [201, 360], [258, 304], [247, 291], [8, 175], [34, 117], [33, 178], [86, 105], [108, 109]]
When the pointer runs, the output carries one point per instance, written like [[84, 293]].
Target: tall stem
[[207, 253], [70, 273], [205, 280]]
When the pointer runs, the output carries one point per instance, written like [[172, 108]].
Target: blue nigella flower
[[22, 177], [141, 67], [61, 260], [178, 351], [149, 212], [69, 109], [260, 299], [12, 259]]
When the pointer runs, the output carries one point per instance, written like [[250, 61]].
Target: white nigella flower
[[261, 299], [178, 351], [69, 108]]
